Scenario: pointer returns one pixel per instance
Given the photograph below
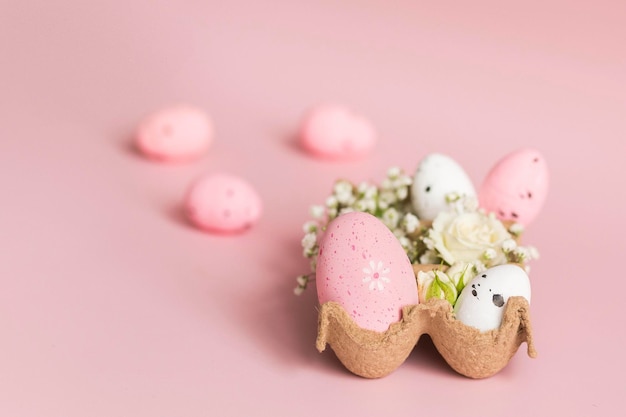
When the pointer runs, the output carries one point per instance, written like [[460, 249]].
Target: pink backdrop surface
[[112, 305]]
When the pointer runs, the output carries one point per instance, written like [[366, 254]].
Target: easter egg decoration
[[362, 266], [334, 132], [438, 176], [175, 134], [516, 187], [481, 303], [222, 203]]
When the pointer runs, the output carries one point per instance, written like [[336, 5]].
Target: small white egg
[[438, 175], [482, 301]]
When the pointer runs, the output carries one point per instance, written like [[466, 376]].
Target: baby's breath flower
[[508, 245], [393, 172], [346, 210], [516, 229], [309, 241], [430, 244], [309, 227], [489, 254], [402, 193], [410, 222], [343, 192], [331, 202], [391, 218], [303, 282], [429, 257], [533, 253], [317, 212]]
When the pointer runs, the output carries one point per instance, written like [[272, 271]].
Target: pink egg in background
[[362, 266], [174, 134], [334, 132], [516, 187], [222, 203]]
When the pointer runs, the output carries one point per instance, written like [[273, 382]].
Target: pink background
[[111, 305]]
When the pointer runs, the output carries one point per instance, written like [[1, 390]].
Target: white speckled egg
[[436, 176], [482, 301], [362, 266]]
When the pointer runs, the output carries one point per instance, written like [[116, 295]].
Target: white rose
[[465, 237]]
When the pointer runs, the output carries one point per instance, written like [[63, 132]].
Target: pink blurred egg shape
[[175, 134], [516, 187], [222, 203], [362, 266], [334, 132]]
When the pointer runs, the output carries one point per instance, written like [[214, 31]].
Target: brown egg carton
[[467, 350]]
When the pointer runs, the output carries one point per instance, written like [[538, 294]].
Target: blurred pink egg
[[175, 134], [222, 203], [516, 187], [334, 132], [362, 266]]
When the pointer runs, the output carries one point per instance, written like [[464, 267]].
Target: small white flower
[[402, 193], [394, 172], [410, 222], [298, 290], [346, 210], [429, 257], [309, 241], [388, 197], [309, 227], [516, 229], [404, 242], [521, 253], [331, 202], [302, 280], [490, 254], [508, 245], [375, 275], [533, 253], [317, 212], [363, 187], [391, 218], [343, 192]]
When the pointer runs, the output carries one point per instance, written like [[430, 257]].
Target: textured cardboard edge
[[468, 351]]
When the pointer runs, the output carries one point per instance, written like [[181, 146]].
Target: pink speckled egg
[[222, 203], [175, 134], [362, 266], [334, 132], [516, 187]]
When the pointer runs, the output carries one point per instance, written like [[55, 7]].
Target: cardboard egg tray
[[467, 350]]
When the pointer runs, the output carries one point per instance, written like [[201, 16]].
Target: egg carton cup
[[467, 350]]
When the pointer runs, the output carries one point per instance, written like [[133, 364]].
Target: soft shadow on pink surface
[[426, 359], [282, 324]]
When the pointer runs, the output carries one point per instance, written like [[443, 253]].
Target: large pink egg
[[222, 203], [362, 266], [334, 132], [175, 134], [516, 187]]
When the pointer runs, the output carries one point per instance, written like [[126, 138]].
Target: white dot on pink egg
[[178, 133], [222, 203]]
